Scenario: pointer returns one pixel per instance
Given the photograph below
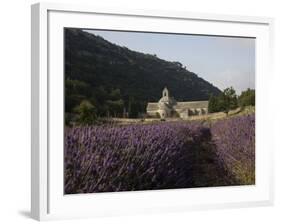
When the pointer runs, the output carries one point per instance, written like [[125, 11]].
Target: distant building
[[167, 106]]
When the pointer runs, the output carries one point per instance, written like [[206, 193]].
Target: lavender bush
[[235, 147]]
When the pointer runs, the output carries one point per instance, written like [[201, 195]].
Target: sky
[[222, 61]]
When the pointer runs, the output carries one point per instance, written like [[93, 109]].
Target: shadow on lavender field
[[206, 169], [167, 155]]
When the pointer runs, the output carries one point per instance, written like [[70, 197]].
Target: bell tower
[[165, 93]]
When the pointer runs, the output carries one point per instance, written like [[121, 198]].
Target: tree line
[[87, 105], [228, 100]]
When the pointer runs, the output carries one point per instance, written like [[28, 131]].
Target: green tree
[[115, 94], [115, 107], [213, 105], [75, 92], [134, 107], [229, 100], [86, 113], [247, 98], [225, 101]]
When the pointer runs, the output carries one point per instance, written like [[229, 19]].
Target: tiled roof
[[191, 105], [152, 106], [180, 105]]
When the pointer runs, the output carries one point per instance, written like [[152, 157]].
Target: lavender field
[[235, 147], [167, 155]]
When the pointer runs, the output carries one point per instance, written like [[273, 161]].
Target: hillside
[[101, 72]]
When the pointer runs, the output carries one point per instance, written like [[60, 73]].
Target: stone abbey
[[167, 106]]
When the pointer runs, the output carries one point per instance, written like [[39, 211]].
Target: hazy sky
[[223, 61]]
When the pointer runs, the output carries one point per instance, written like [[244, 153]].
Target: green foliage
[[134, 107], [247, 98], [225, 101], [216, 103], [229, 99], [115, 94], [75, 92], [115, 107], [213, 104], [76, 87], [86, 113]]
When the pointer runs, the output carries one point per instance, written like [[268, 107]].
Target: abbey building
[[167, 106]]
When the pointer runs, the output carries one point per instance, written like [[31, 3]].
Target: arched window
[[165, 92]]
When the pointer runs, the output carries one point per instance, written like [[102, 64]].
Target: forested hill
[[100, 72]]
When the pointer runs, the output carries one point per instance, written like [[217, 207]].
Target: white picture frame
[[47, 199]]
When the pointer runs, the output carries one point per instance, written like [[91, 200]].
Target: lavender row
[[133, 157], [235, 147]]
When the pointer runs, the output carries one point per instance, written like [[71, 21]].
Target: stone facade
[[167, 106]]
